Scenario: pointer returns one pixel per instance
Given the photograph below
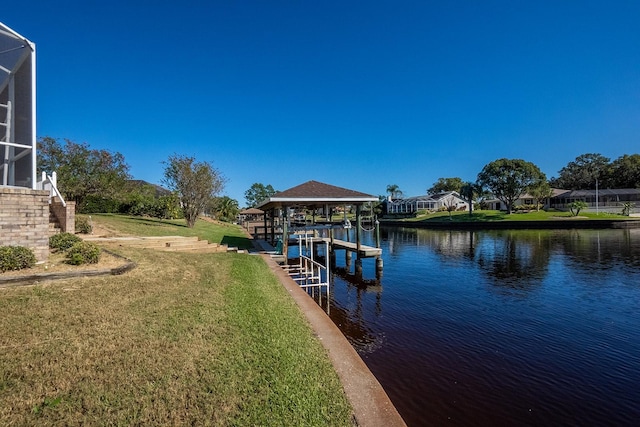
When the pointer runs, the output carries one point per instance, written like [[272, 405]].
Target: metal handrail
[[52, 181]]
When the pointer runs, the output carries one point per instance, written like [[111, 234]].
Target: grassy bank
[[182, 339], [214, 232], [495, 216]]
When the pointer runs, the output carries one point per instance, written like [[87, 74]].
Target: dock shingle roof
[[314, 193]]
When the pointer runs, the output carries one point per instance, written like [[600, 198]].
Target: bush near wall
[[83, 225], [16, 258], [63, 241], [83, 253]]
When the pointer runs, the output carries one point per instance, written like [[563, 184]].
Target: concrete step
[[167, 244]]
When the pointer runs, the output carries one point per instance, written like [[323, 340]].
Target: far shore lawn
[[183, 339], [500, 216]]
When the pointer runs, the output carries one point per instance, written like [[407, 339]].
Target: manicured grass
[[219, 232], [491, 215], [204, 339]]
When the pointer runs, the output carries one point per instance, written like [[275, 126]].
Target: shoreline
[[371, 405], [559, 224]]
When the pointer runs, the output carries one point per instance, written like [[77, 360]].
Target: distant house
[[428, 202], [251, 218], [524, 200], [609, 199]]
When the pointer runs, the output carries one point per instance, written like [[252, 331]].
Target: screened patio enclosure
[[17, 110]]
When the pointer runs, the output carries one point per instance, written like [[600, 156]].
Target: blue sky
[[359, 94]]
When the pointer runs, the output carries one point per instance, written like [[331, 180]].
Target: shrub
[[83, 225], [63, 241], [98, 204], [577, 206], [16, 258], [83, 253]]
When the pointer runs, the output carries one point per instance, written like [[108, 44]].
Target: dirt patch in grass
[[56, 264]]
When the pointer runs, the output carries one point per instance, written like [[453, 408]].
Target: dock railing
[[309, 273]]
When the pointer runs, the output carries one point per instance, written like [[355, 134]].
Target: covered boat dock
[[316, 196]]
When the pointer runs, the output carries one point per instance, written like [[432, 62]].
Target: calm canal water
[[510, 327]]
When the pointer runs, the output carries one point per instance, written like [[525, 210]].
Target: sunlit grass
[[493, 215], [219, 232], [183, 339]]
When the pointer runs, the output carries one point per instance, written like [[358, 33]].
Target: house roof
[[602, 192], [159, 190], [427, 197], [555, 192], [251, 211], [316, 194]]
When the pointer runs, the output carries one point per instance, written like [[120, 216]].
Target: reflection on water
[[503, 327]]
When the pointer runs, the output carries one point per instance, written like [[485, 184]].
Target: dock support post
[[264, 221], [359, 268], [331, 250], [347, 259], [273, 227], [379, 262], [285, 233], [358, 224], [358, 244], [379, 266]]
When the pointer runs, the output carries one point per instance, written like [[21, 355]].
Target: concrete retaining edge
[[371, 404]]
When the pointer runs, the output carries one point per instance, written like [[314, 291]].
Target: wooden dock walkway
[[365, 251]]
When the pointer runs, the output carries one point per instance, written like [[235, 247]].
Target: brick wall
[[66, 215], [24, 219]]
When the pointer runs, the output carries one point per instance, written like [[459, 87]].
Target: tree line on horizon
[[98, 180], [509, 179]]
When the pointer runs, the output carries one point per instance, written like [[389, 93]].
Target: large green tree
[[508, 179], [582, 173], [257, 193], [81, 170], [446, 184], [540, 193], [196, 183], [624, 172]]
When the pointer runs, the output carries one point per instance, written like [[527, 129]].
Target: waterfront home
[[610, 200], [526, 200], [428, 202]]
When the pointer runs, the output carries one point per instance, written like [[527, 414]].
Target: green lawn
[[183, 339], [229, 234], [491, 216]]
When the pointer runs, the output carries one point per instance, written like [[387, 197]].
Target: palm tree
[[394, 191], [467, 191], [227, 208]]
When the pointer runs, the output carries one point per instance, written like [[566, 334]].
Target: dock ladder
[[309, 272]]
